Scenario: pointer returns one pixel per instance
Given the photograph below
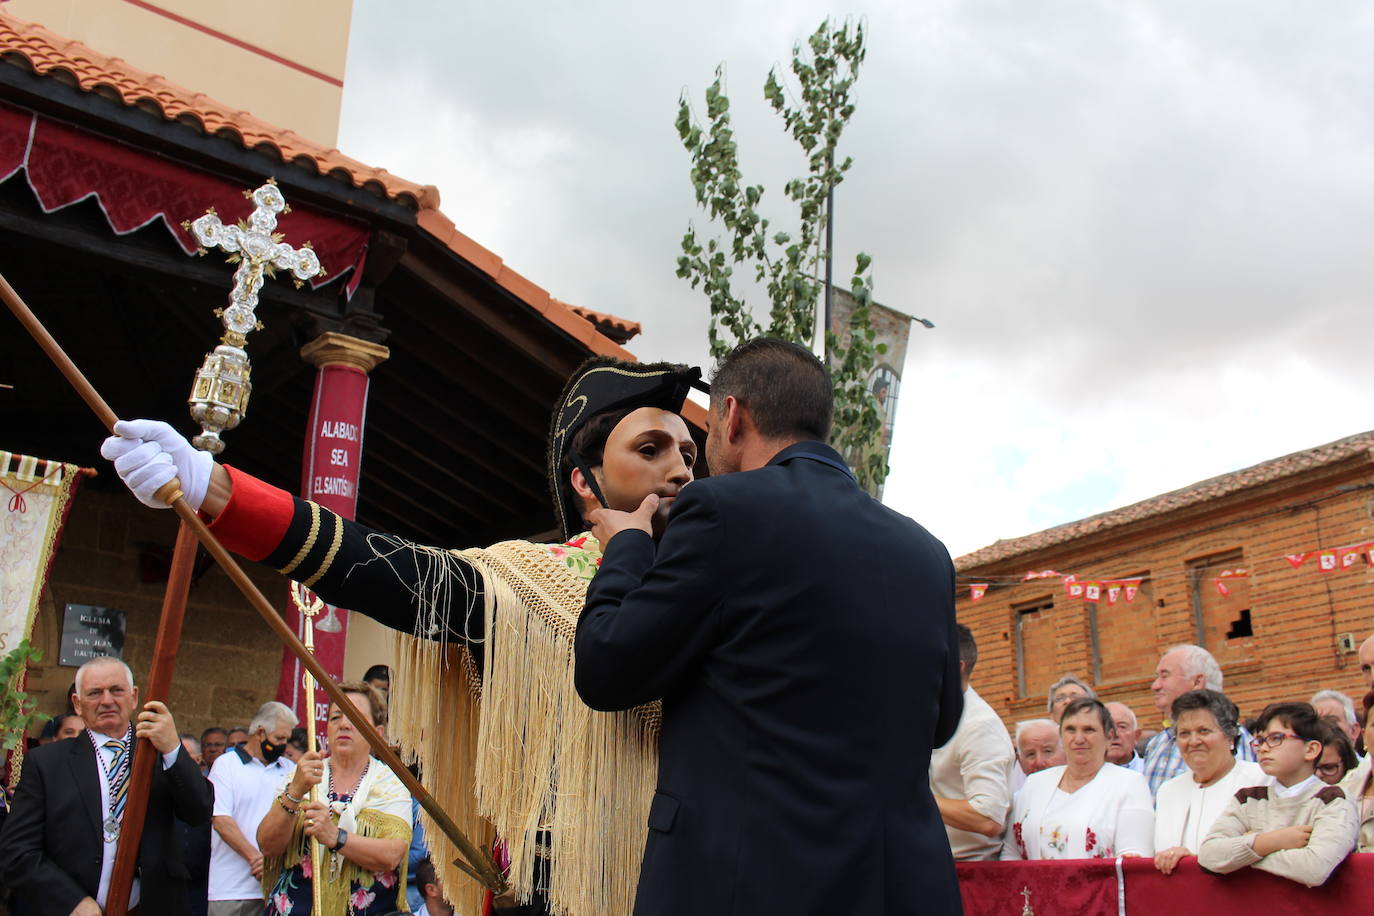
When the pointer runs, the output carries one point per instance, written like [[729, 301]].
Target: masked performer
[[484, 648]]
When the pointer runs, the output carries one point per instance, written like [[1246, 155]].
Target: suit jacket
[[801, 637], [52, 843]]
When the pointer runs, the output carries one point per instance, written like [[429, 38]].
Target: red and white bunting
[[1042, 574], [1092, 591], [1113, 593], [1328, 561], [1132, 588], [1297, 559], [1229, 574], [976, 592], [1069, 582], [1369, 553]]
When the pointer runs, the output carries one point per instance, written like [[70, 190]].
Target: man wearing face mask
[[247, 781]]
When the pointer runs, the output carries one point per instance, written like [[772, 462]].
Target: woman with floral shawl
[[362, 818]]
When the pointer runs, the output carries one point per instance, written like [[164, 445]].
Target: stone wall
[[228, 661]]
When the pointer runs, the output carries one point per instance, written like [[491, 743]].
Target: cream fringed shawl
[[516, 753]]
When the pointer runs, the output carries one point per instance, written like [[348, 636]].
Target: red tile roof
[[1360, 445], [621, 330], [50, 54]]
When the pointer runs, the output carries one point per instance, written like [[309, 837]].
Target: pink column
[[329, 476]]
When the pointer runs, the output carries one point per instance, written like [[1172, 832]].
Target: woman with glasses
[[1358, 784], [1296, 827], [1207, 727], [1087, 808]]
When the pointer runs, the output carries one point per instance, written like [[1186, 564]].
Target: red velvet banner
[[329, 476], [14, 139], [1090, 886], [134, 188]]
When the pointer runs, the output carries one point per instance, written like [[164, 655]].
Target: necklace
[[334, 795]]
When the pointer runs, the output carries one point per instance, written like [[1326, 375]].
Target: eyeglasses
[[1273, 739], [1329, 769]]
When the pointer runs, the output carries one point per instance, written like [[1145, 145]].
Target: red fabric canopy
[[133, 188], [1090, 886]]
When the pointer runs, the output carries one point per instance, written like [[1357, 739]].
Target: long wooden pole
[[479, 863], [159, 687]]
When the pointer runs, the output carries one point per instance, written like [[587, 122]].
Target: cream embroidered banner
[[34, 497]]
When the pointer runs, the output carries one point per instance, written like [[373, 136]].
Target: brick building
[[1212, 560]]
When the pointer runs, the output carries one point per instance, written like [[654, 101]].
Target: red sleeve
[[256, 517]]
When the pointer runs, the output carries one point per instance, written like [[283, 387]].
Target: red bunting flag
[[1075, 589], [1069, 581], [1132, 587], [1351, 556], [1113, 592], [1369, 553], [1327, 560], [977, 591], [1092, 591], [1229, 574], [1042, 574], [1297, 559]]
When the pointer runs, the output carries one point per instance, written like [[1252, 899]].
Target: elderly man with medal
[[487, 701]]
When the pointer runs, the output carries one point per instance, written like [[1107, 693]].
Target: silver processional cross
[[219, 394]]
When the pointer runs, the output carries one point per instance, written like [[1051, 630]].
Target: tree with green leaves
[[16, 706], [788, 265]]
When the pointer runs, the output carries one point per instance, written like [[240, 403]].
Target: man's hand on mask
[[607, 523]]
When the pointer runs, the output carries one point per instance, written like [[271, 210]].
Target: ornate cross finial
[[219, 395], [1026, 909]]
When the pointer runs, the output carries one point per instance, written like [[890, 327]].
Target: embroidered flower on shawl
[[281, 903], [1091, 841], [582, 555], [307, 867], [361, 899], [386, 878], [1059, 841], [1020, 843]]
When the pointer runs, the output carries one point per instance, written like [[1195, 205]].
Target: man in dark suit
[[57, 848], [801, 637]]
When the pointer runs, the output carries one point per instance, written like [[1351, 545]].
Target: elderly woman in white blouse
[[1208, 727], [1087, 808]]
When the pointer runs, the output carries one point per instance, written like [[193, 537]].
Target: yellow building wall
[[281, 62]]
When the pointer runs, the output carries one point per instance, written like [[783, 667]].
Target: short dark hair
[[1089, 704], [376, 672], [1344, 749], [425, 873], [1300, 717], [785, 387], [589, 442], [1215, 702], [299, 734], [968, 648], [213, 730]]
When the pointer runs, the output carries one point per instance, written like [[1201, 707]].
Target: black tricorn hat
[[603, 384]]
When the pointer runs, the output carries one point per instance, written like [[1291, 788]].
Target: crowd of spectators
[[1289, 791]]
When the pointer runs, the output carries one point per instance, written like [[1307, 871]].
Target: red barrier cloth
[[1071, 888], [1189, 889], [15, 124], [329, 476], [1089, 887], [134, 188]]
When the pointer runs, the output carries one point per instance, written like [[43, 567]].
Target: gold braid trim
[[328, 560], [335, 888], [309, 541], [520, 752]]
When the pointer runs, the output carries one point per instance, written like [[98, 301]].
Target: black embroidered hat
[[599, 385]]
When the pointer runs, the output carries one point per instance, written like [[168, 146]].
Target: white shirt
[[1112, 815], [245, 789], [1185, 811], [107, 854], [975, 766]]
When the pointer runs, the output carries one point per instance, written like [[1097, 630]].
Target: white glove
[[148, 453]]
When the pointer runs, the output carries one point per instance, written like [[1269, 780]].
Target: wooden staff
[[476, 862]]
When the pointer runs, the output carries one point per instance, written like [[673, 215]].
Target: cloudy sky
[[1144, 230]]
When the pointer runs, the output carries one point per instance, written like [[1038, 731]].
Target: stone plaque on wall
[[89, 631]]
